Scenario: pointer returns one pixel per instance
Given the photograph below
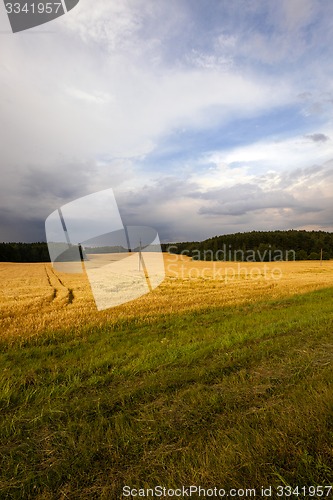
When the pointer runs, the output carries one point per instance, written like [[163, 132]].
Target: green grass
[[234, 397]]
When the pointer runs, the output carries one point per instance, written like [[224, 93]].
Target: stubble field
[[222, 376]]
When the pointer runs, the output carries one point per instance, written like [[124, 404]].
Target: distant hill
[[262, 246], [251, 246]]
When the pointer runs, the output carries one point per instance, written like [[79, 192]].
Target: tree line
[[252, 246], [259, 246], [24, 252]]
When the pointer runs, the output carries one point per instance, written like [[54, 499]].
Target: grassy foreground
[[235, 396]]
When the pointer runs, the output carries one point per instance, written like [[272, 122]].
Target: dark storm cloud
[[179, 209], [65, 182], [242, 199], [308, 176], [18, 228], [317, 137]]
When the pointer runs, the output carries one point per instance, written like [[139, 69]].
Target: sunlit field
[[221, 377], [35, 297]]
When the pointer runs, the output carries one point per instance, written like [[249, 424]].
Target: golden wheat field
[[36, 298]]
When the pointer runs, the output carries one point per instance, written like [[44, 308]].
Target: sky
[[206, 117]]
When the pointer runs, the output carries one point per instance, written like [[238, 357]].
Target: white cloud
[[111, 25], [93, 97], [275, 155], [130, 106]]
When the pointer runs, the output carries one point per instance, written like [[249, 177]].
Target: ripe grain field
[[35, 297], [222, 376]]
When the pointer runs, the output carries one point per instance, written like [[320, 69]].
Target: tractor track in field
[[54, 295], [59, 296], [60, 290]]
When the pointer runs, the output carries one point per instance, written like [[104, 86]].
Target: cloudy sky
[[206, 117]]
